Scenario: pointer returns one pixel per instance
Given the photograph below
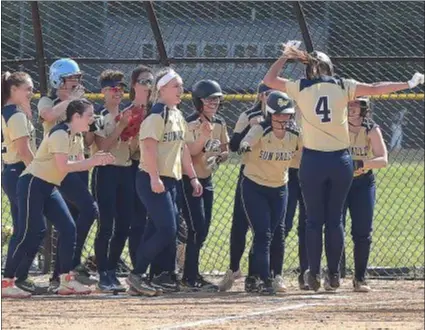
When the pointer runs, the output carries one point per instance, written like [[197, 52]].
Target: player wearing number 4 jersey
[[326, 169]]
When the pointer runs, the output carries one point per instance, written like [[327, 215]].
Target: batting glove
[[212, 145], [244, 148], [417, 79]]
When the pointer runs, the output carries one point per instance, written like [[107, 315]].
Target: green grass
[[398, 237]]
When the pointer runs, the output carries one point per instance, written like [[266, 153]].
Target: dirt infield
[[391, 305]]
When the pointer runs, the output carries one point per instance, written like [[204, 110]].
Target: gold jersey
[[58, 141], [268, 161], [168, 127], [121, 150], [360, 145], [15, 124], [323, 104], [219, 133]]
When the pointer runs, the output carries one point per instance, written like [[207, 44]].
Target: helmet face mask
[[280, 109]]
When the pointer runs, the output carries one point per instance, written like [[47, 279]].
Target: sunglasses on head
[[145, 81]]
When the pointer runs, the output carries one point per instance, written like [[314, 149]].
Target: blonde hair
[[155, 90]]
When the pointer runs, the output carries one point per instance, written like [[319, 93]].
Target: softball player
[[18, 148], [83, 208], [326, 169], [113, 185], [369, 152], [210, 148], [277, 247], [65, 80], [294, 197], [37, 194], [271, 146], [239, 228], [164, 157], [140, 91]]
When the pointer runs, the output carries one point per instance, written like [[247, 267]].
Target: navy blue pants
[[113, 189], [265, 208], [83, 208], [239, 228], [161, 264], [137, 227], [325, 179], [361, 204], [159, 241], [9, 182], [35, 197], [197, 212], [277, 248]]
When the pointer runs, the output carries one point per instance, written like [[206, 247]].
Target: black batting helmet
[[279, 103], [204, 89], [364, 106]]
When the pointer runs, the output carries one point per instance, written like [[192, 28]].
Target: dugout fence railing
[[235, 43]]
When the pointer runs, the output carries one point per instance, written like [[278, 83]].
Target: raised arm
[[380, 88], [272, 78]]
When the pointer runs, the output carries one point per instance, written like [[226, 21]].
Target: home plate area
[[391, 304]]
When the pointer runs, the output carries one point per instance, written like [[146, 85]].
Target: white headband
[[166, 79]]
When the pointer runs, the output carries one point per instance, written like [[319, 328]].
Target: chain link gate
[[235, 44]]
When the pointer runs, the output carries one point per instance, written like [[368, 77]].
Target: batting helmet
[[204, 89], [322, 66], [60, 69], [364, 106], [279, 103]]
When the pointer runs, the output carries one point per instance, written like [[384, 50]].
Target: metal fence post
[[303, 26], [163, 58], [41, 64]]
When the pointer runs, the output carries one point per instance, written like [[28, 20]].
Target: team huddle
[[310, 142]]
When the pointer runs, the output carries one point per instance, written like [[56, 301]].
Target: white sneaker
[[227, 282], [361, 286], [68, 286], [278, 284], [10, 290]]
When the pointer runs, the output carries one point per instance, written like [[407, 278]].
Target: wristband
[[193, 178]]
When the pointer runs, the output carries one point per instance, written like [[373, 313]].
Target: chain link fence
[[235, 43]]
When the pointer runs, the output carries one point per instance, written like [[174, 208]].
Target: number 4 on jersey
[[322, 109]]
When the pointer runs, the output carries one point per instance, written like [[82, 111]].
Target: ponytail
[[5, 88], [76, 106], [11, 79]]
